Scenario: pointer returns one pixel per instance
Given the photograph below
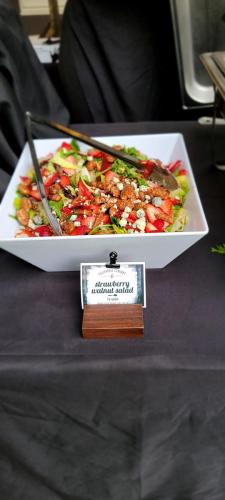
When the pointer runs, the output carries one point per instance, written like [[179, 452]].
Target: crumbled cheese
[[140, 213], [140, 224], [124, 215], [77, 223], [157, 201], [37, 219], [137, 201], [73, 217], [89, 158], [31, 225], [120, 186], [147, 197], [90, 224], [143, 188], [134, 184], [122, 222], [115, 180], [127, 181], [114, 206], [103, 209], [127, 209], [130, 231]]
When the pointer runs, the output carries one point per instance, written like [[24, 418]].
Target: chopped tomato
[[64, 180], [51, 179], [84, 191], [78, 231], [43, 231]]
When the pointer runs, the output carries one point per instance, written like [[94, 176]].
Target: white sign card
[[110, 285]]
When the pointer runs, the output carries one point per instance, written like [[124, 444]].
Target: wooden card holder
[[113, 321]]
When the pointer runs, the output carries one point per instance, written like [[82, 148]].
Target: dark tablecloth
[[137, 419]]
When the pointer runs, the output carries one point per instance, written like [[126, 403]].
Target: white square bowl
[[64, 253]]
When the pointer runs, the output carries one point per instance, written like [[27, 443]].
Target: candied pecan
[[114, 191], [22, 216], [55, 197], [109, 158], [128, 192], [68, 226], [92, 165], [141, 196], [26, 204], [99, 220], [54, 188], [23, 189], [158, 191], [112, 211], [122, 204]]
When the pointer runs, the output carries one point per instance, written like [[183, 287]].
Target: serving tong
[[158, 174]]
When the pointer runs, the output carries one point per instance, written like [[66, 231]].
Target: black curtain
[[24, 85], [117, 60]]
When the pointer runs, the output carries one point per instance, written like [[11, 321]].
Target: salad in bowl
[[93, 193]]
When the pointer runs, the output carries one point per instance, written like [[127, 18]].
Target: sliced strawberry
[[51, 179], [167, 206], [159, 224], [95, 153], [153, 212], [35, 194], [183, 171], [148, 166], [78, 231], [43, 231], [25, 233], [26, 180], [67, 210], [88, 221], [150, 228], [64, 180], [174, 165], [132, 217], [109, 178], [66, 145], [84, 191], [175, 201]]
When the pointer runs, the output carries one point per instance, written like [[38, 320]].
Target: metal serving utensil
[[51, 218], [158, 174]]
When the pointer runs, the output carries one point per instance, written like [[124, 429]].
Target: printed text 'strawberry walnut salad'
[[94, 193]]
